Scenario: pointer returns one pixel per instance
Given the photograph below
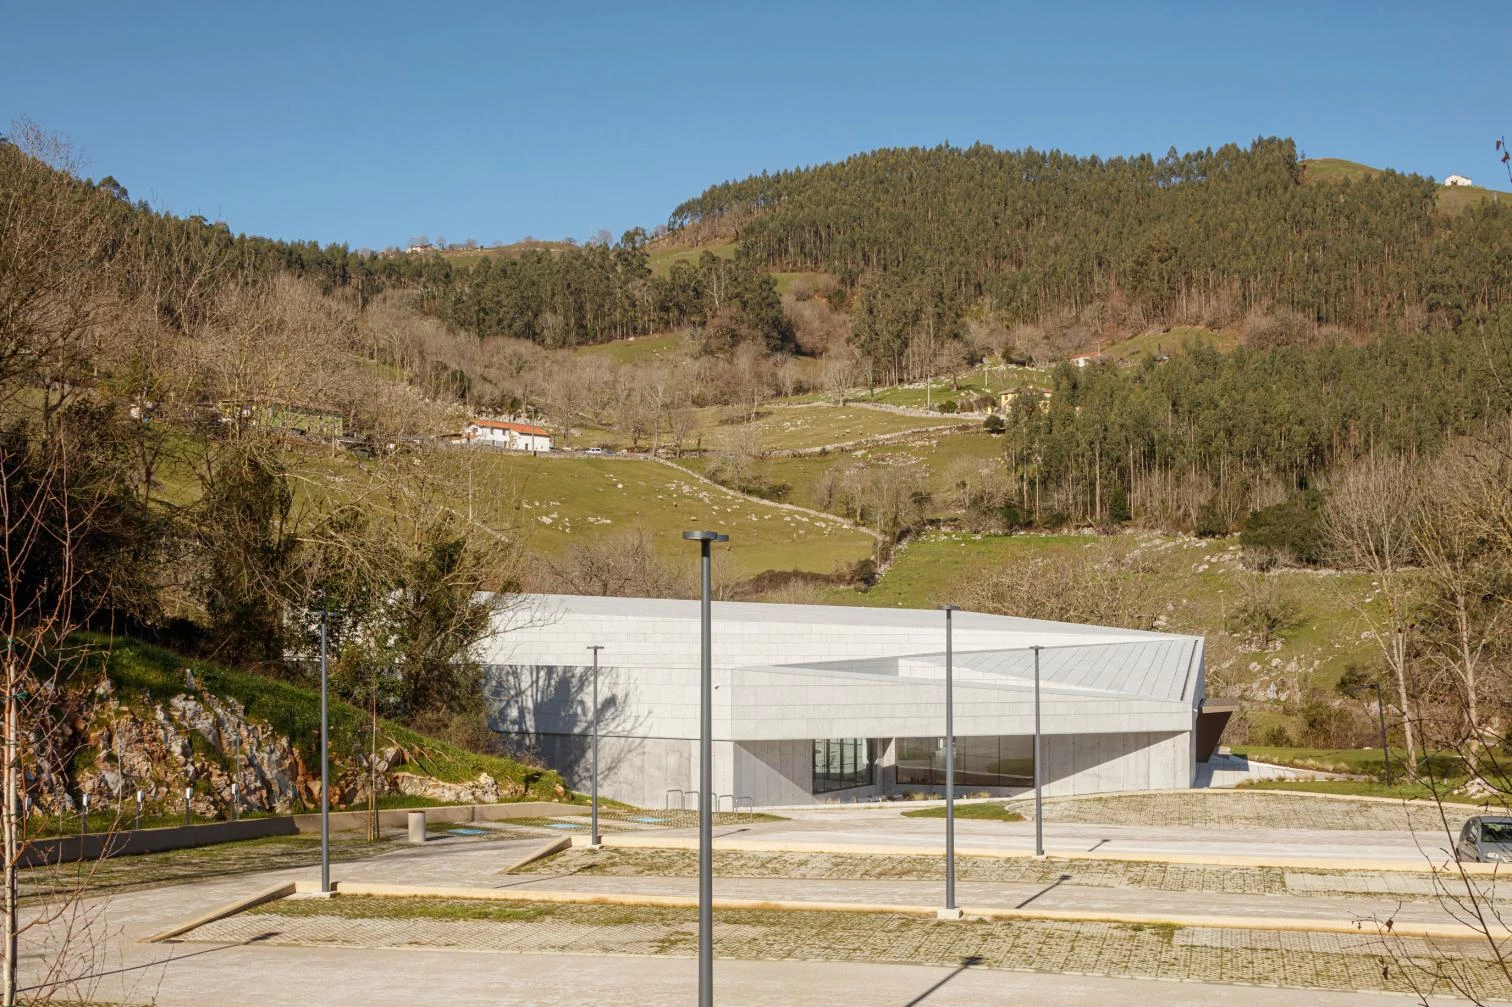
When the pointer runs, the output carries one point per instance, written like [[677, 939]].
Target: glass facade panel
[[841, 763], [979, 762]]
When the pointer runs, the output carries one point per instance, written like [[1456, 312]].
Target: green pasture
[[663, 254], [553, 503], [1170, 342], [1451, 199], [943, 455], [1194, 583], [814, 426], [638, 349]]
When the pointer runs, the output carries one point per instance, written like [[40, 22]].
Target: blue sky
[[371, 123]]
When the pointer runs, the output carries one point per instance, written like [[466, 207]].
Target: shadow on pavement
[[966, 963]]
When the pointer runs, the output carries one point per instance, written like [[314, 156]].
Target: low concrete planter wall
[[69, 849], [95, 846], [398, 818]]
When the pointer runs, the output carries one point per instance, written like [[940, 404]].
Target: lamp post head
[[705, 536]]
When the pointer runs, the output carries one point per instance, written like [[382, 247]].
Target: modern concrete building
[[821, 703]]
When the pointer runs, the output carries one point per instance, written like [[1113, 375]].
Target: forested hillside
[[929, 236], [1201, 439]]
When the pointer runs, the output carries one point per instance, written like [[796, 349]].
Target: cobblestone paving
[[1228, 809], [611, 862], [1367, 884], [1318, 961]]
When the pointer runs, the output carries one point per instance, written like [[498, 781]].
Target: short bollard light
[[188, 793], [233, 802], [139, 810], [84, 816]]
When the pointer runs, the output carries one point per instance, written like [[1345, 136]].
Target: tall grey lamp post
[[325, 767], [705, 539], [950, 911], [1039, 817], [594, 839]]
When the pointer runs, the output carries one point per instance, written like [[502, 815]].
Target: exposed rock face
[[198, 739], [484, 790]]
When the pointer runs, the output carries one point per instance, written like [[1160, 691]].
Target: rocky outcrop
[[484, 790], [110, 746]]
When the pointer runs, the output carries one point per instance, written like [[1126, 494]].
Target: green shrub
[[1014, 517], [1276, 736], [1118, 505], [1292, 529], [1210, 520]]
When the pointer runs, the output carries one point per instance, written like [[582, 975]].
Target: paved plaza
[[441, 951]]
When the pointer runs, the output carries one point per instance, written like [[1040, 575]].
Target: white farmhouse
[[1457, 180], [509, 435]]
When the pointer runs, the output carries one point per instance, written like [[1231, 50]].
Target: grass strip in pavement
[[634, 819], [1243, 809], [970, 812], [369, 907], [1151, 876]]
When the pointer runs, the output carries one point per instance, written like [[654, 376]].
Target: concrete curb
[[1415, 802], [1411, 802], [455, 814], [279, 891], [555, 846], [1432, 931], [1216, 860]]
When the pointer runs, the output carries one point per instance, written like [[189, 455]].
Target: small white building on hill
[[509, 435], [1457, 180]]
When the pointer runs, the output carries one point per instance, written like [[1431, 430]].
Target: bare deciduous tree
[[1465, 562], [1097, 587], [51, 240], [1368, 524], [47, 515], [839, 373], [625, 565], [1263, 608]]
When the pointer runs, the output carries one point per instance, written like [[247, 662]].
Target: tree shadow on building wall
[[531, 702]]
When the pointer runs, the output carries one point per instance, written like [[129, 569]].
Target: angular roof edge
[[840, 615]]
